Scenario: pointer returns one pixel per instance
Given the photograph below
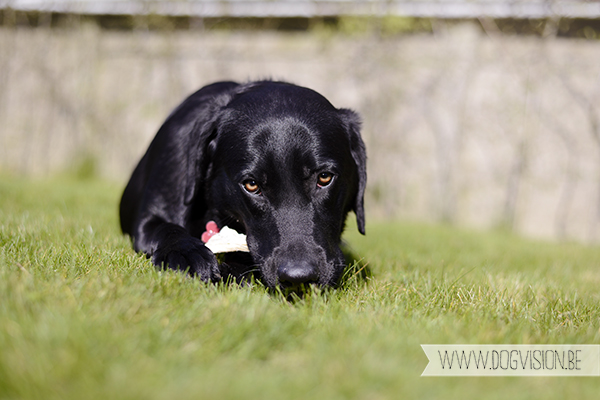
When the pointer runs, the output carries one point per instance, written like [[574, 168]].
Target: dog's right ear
[[200, 148], [198, 158]]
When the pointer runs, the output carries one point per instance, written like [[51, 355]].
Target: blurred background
[[478, 113]]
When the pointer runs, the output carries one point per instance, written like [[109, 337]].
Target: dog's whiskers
[[249, 271]]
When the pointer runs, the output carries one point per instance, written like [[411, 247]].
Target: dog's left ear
[[359, 154]]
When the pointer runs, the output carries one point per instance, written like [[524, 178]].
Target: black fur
[[278, 135]]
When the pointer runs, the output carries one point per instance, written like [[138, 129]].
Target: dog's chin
[[295, 292], [300, 291]]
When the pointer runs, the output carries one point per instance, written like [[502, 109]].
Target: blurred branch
[[521, 155]]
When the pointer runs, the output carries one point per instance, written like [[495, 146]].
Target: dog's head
[[282, 165]]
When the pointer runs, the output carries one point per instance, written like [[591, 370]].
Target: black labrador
[[272, 160]]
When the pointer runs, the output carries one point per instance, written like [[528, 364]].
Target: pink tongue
[[211, 230]]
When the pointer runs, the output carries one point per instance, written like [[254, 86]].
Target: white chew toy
[[226, 241]]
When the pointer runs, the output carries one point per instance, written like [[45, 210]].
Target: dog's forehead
[[284, 141], [283, 135]]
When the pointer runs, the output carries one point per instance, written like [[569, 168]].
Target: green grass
[[82, 316]]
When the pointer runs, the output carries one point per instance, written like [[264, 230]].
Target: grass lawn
[[83, 317]]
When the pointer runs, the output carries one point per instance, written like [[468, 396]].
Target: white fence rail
[[311, 8]]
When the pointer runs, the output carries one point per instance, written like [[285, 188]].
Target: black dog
[[272, 160]]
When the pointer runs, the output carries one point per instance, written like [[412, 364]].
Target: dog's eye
[[324, 179], [251, 186]]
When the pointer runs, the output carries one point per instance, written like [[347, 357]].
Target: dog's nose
[[295, 273]]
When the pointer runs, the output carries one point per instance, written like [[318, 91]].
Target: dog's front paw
[[188, 254]]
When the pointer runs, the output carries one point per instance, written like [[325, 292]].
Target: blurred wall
[[464, 126]]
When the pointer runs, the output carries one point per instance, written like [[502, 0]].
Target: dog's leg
[[171, 246]]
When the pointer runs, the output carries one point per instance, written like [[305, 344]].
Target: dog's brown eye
[[251, 186], [324, 179]]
